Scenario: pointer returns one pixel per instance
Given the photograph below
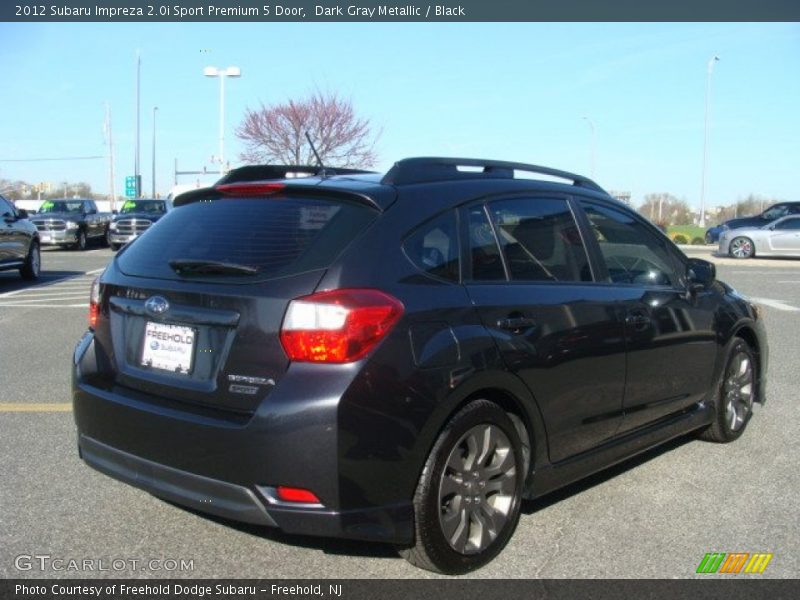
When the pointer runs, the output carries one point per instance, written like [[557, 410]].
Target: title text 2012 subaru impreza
[[403, 357]]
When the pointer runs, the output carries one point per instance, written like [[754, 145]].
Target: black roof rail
[[429, 169], [265, 172]]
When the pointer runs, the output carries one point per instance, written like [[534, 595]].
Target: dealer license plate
[[168, 347]]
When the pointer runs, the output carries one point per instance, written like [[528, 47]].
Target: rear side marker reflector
[[338, 326], [299, 495]]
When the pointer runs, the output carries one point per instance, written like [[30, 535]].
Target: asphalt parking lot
[[653, 517]]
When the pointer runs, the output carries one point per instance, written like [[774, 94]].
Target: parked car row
[[757, 221], [69, 223]]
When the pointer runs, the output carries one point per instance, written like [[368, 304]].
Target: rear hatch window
[[242, 240]]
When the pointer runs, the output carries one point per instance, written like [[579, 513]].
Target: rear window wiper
[[188, 266]]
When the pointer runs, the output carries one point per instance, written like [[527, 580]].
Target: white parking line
[[44, 305], [777, 304], [71, 292]]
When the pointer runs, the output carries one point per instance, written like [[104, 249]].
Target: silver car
[[779, 238]]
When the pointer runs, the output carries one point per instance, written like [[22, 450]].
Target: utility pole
[[155, 109], [709, 73], [110, 142]]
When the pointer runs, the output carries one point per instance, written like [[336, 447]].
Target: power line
[[50, 159]]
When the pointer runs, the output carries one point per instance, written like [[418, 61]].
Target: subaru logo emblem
[[156, 305]]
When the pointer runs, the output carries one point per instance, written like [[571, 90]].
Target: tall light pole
[[594, 144], [155, 108], [137, 172], [222, 74], [711, 62]]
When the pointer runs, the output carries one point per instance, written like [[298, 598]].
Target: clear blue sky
[[515, 91]]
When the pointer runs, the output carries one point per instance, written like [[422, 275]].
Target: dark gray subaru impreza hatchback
[[403, 357]]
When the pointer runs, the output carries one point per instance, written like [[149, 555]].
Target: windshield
[[61, 206], [144, 206]]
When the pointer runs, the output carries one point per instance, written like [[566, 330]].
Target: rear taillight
[[338, 326], [94, 303]]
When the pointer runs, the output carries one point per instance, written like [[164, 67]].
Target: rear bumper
[[240, 503], [227, 465]]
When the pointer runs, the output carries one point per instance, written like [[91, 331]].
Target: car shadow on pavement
[[335, 546], [532, 506]]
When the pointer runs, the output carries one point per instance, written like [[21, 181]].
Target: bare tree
[[665, 209], [277, 133], [751, 205]]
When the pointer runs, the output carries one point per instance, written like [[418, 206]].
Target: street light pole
[[593, 146], [711, 62], [155, 108], [137, 172], [222, 74]]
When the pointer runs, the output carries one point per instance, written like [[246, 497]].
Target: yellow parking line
[[35, 407]]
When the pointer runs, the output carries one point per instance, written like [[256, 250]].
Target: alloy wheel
[[36, 260], [741, 248], [738, 391], [477, 488]]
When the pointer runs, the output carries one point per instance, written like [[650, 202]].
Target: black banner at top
[[411, 10]]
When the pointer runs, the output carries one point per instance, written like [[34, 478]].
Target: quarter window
[[433, 248], [632, 253], [540, 240]]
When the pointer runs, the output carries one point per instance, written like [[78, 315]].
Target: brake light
[[291, 494], [94, 303], [338, 326], [249, 189]]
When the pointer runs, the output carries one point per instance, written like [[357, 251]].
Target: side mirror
[[23, 214], [700, 273]]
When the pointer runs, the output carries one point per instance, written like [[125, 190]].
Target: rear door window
[[485, 262], [274, 237], [540, 240]]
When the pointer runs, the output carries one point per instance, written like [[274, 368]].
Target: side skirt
[[555, 476]]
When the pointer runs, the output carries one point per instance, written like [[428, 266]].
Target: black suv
[[403, 357], [19, 241]]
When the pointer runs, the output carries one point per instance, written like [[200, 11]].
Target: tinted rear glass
[[278, 235]]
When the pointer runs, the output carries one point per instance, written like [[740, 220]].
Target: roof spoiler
[[267, 172]]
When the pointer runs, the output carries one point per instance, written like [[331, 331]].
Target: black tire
[[33, 263], [474, 493], [733, 406], [115, 247], [709, 239], [742, 247], [80, 241]]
